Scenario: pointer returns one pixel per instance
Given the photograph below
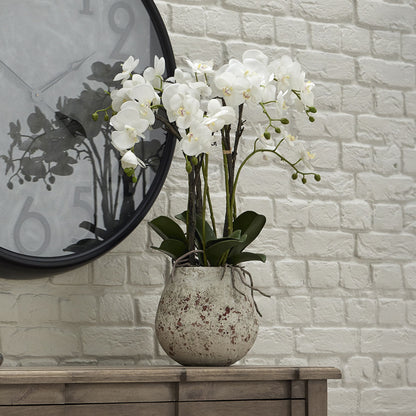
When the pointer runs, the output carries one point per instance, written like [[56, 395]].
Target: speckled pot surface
[[202, 320]]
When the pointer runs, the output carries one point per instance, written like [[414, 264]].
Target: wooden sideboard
[[165, 391]]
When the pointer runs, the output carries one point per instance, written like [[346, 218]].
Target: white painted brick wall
[[341, 254]]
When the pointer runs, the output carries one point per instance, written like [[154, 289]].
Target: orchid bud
[[295, 176], [304, 180], [106, 117], [284, 121], [95, 116], [311, 119], [266, 135], [129, 172], [277, 130], [188, 166], [317, 177]]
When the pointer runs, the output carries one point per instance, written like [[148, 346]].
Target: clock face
[[63, 197]]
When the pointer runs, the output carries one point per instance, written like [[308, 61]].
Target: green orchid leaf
[[168, 229], [182, 216], [250, 224], [173, 248], [219, 250], [235, 236], [209, 232], [246, 256]]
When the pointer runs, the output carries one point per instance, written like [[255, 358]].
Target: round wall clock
[[63, 198]]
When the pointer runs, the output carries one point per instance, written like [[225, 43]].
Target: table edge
[[154, 374]]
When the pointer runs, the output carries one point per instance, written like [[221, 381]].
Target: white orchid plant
[[207, 110]]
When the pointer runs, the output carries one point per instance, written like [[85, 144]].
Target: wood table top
[[71, 374]]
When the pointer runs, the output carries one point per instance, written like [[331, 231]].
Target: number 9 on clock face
[[61, 191]]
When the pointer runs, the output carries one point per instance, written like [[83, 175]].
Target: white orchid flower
[[154, 75], [129, 126], [119, 97], [252, 79], [122, 95], [145, 97], [218, 115], [304, 154], [255, 54], [232, 86], [130, 160], [135, 80], [246, 82], [181, 105], [268, 92], [290, 139], [180, 77], [255, 68], [201, 67], [128, 67], [200, 109], [288, 73], [201, 89], [256, 71], [279, 107], [124, 139], [198, 140], [306, 94]]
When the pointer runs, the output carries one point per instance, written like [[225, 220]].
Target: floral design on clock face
[[60, 181]]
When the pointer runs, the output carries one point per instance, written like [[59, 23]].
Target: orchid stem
[[208, 194]]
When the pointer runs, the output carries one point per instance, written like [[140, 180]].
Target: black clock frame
[[18, 266]]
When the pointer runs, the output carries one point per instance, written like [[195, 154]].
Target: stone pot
[[203, 319]]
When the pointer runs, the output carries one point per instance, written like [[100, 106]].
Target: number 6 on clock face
[[60, 180]]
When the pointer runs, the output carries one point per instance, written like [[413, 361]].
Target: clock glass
[[63, 197]]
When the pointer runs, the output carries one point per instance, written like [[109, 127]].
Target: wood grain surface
[[165, 391], [236, 408], [165, 374]]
